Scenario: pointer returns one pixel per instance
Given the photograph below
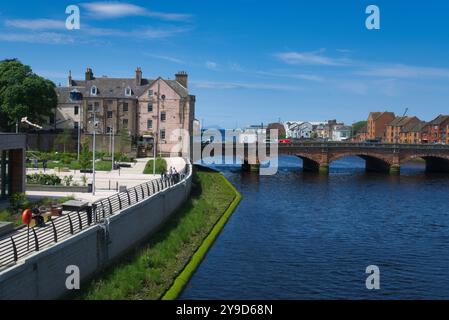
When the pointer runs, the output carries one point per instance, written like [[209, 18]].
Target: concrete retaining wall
[[43, 275]]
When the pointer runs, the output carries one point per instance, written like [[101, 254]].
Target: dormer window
[[128, 92], [75, 95], [94, 90]]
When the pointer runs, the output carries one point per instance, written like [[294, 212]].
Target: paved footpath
[[128, 177]]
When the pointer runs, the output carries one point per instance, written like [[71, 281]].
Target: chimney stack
[[138, 76], [89, 74], [70, 78], [182, 77]]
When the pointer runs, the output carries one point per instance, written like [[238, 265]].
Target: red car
[[285, 141]]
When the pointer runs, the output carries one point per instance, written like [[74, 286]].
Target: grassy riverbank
[[150, 271]]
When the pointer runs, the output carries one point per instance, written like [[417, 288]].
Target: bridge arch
[[434, 162]]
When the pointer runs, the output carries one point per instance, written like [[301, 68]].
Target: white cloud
[[300, 76], [404, 71], [41, 37], [36, 24], [167, 58], [211, 65], [243, 85], [118, 10], [310, 58]]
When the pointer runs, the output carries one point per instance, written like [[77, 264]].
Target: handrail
[[27, 241]]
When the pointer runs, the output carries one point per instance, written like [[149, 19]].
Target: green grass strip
[[184, 277]]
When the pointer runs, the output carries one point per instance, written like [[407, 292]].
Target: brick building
[[155, 110], [436, 130], [394, 129], [377, 125], [412, 132]]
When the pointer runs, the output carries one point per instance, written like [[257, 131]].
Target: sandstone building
[[146, 109]]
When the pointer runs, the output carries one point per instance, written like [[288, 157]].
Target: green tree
[[85, 158], [64, 139], [356, 127], [24, 94]]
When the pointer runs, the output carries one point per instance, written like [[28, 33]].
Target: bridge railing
[[25, 241]]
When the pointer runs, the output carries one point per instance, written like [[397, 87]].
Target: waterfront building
[[394, 129], [280, 129], [153, 109], [377, 124], [436, 130], [412, 132], [251, 133], [361, 135], [341, 132], [298, 129]]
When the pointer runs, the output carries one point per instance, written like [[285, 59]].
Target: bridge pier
[[247, 167]]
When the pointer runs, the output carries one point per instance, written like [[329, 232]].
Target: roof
[[115, 88], [439, 120], [377, 115], [401, 121], [414, 127]]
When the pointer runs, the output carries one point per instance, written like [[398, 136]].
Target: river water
[[300, 235]]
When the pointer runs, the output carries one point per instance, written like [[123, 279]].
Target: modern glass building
[[12, 164]]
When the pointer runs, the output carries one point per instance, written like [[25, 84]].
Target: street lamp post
[[113, 146]]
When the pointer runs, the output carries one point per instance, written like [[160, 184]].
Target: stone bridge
[[318, 156]]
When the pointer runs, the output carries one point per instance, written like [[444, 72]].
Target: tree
[[64, 138], [24, 94], [356, 127], [85, 158]]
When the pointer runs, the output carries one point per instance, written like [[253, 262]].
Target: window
[[149, 124], [108, 130], [163, 116], [125, 123], [76, 125], [163, 134], [150, 93], [96, 104], [76, 110], [128, 92], [90, 108], [109, 114], [94, 90], [125, 107], [75, 95], [150, 107]]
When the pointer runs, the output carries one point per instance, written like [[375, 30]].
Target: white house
[[298, 129], [341, 132]]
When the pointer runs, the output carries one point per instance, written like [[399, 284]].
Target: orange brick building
[[436, 130], [377, 124], [394, 129], [412, 133]]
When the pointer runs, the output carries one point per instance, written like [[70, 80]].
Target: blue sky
[[250, 61]]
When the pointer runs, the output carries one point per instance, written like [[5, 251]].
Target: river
[[300, 235]]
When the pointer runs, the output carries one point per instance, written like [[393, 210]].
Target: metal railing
[[27, 241]]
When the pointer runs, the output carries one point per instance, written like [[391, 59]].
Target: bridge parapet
[[318, 156]]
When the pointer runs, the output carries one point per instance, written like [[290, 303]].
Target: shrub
[[67, 180], [44, 179], [18, 201]]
